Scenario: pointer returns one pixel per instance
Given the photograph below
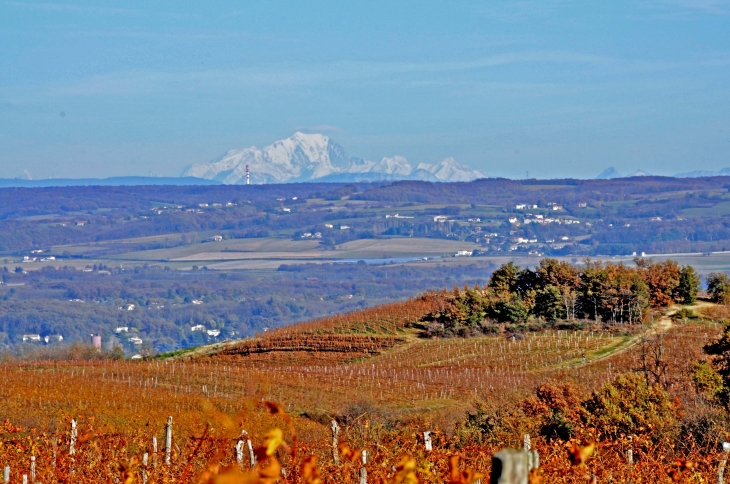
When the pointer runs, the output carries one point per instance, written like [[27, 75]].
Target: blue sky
[[554, 87]]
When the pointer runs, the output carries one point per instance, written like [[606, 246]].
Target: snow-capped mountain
[[703, 173], [304, 157], [608, 174], [611, 173]]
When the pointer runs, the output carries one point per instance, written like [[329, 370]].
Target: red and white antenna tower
[[248, 176]]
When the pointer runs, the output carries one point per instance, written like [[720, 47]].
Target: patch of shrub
[[627, 405]]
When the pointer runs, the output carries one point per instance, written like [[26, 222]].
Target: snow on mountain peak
[[396, 165], [305, 156]]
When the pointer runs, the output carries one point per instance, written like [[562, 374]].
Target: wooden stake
[[427, 441], [32, 468], [145, 461], [72, 444], [239, 448], [6, 474], [335, 441], [363, 470], [251, 454], [723, 463], [168, 441]]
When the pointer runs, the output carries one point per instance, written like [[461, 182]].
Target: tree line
[[560, 291]]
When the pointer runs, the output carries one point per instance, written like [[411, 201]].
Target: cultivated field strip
[[314, 343]]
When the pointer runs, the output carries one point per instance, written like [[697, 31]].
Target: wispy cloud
[[175, 35], [720, 7], [70, 7], [282, 75], [174, 83], [518, 10]]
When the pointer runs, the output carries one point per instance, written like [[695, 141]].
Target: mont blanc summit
[[303, 157]]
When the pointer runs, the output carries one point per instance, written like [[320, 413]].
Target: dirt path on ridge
[[659, 326]]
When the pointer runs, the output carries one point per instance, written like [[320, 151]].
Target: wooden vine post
[[74, 434], [335, 441], [239, 452], [251, 453], [363, 470], [32, 468], [511, 466], [168, 441], [6, 474], [723, 463], [630, 452], [145, 462], [243, 442], [427, 441]]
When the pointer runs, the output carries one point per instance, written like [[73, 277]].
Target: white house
[[464, 253], [213, 332], [197, 301], [197, 327], [31, 337], [122, 329], [440, 219], [135, 340]]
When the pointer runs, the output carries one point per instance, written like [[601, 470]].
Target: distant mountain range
[[611, 173], [304, 157], [703, 173]]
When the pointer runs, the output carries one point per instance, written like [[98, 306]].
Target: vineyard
[[372, 372]]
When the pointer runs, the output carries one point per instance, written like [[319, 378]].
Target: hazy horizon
[[556, 89]]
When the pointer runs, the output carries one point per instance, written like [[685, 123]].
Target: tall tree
[[689, 285], [565, 278], [590, 290], [718, 285], [662, 280]]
